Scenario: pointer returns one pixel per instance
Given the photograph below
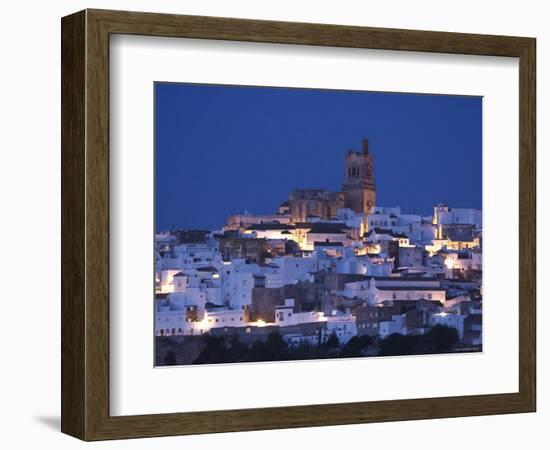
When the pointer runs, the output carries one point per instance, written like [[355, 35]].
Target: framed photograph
[[274, 225]]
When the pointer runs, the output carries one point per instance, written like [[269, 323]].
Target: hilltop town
[[327, 274]]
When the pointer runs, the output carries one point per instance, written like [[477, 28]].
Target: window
[[429, 296]]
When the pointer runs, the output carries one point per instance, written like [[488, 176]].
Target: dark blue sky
[[222, 150]]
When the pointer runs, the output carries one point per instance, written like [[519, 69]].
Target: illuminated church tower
[[359, 189]]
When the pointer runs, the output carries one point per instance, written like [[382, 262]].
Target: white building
[[379, 290], [296, 268], [243, 221], [467, 216], [343, 325], [396, 325], [285, 316]]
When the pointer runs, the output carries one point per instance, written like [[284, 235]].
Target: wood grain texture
[[73, 227], [85, 224], [527, 224]]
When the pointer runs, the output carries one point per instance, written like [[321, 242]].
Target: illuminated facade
[[359, 188], [358, 191]]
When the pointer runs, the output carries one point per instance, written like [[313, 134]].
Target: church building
[[358, 191], [358, 188]]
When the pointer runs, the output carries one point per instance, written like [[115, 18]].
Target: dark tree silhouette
[[332, 342], [170, 358], [214, 351], [439, 339], [303, 351], [237, 351], [356, 346], [275, 348], [398, 344], [443, 338]]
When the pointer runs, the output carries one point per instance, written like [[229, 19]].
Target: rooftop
[[270, 226], [386, 231], [328, 228], [409, 288], [327, 244], [206, 269]]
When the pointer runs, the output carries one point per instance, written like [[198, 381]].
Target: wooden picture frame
[[85, 224]]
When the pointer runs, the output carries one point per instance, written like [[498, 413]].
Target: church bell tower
[[359, 188]]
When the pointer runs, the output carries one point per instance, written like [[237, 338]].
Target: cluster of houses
[[325, 263], [378, 273]]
